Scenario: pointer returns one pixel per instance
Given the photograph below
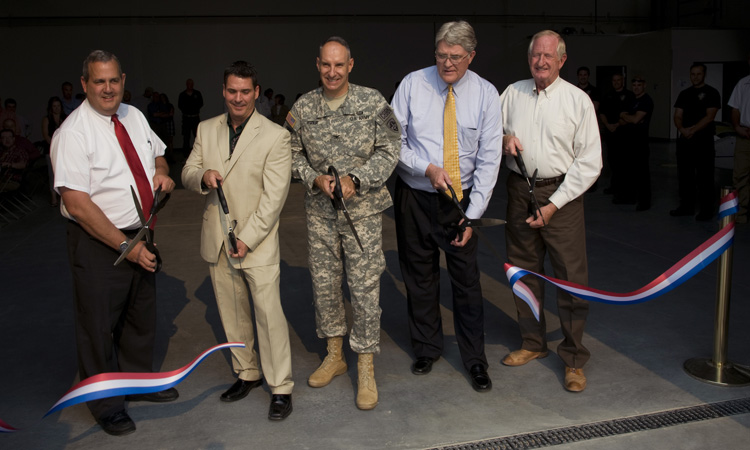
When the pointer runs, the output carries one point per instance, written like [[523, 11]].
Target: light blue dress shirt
[[419, 103]]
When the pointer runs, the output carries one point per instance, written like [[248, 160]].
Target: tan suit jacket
[[256, 184]]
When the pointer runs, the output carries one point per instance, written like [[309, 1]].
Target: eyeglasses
[[455, 59]]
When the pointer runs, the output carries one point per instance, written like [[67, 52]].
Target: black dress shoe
[[480, 380], [422, 366], [239, 390], [165, 396], [281, 406], [118, 424]]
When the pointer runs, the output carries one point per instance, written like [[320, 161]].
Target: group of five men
[[444, 134]]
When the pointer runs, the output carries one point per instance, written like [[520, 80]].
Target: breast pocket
[[468, 137]]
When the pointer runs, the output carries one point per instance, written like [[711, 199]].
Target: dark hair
[[338, 40], [101, 56], [51, 101], [583, 68], [698, 64], [66, 83], [268, 91], [281, 96], [241, 69], [7, 130], [10, 101]]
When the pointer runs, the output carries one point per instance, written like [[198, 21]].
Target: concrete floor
[[636, 365]]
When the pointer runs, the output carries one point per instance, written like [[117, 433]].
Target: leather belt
[[544, 181]]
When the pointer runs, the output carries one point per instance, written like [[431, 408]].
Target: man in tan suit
[[251, 157]]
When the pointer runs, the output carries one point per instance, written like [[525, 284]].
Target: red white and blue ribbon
[[685, 269], [112, 384]]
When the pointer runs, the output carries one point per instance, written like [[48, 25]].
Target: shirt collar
[[550, 90], [457, 86], [241, 127]]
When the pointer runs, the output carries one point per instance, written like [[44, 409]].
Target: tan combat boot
[[367, 392], [333, 364]]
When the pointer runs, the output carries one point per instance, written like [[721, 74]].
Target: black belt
[[128, 233], [544, 181]]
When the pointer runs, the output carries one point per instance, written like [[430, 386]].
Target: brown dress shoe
[[575, 380], [521, 357]]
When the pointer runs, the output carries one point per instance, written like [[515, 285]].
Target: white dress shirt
[[559, 134], [87, 157], [740, 100], [419, 103]]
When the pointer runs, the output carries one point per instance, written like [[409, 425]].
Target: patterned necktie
[[450, 144], [141, 180]]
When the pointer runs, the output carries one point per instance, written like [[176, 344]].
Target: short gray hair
[[560, 42], [101, 56], [457, 33], [338, 40]]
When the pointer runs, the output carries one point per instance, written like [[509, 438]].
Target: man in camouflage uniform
[[353, 129]]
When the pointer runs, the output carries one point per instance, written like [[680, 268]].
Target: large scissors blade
[[145, 225], [226, 222], [338, 203], [469, 223], [535, 210]]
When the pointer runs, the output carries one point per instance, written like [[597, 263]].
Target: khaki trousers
[[232, 297]]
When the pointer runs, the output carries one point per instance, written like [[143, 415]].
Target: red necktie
[[141, 180]]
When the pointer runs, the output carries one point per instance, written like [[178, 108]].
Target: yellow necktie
[[450, 144]]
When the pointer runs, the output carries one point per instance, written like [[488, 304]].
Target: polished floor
[[636, 367]]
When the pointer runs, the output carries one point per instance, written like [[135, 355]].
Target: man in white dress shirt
[[552, 124]]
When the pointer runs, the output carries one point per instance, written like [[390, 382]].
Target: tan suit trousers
[[233, 300]]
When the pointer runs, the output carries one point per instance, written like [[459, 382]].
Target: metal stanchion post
[[718, 370]]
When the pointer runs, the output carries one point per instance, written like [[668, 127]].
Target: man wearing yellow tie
[[451, 135]]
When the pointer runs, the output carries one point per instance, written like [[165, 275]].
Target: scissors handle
[[338, 193], [222, 198]]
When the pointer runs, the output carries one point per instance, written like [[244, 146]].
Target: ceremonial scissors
[[338, 202], [534, 208], [226, 222], [145, 225], [470, 223]]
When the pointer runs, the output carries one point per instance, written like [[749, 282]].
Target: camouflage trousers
[[332, 249]]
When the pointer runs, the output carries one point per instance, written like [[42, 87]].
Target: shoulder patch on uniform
[[291, 120], [392, 124], [385, 113]]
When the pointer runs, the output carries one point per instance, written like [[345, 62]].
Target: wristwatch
[[124, 245], [355, 180]]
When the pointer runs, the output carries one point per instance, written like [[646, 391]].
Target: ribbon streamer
[[112, 384], [685, 269]]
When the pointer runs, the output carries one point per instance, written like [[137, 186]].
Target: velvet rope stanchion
[[718, 370]]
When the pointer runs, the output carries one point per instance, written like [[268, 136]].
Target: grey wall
[[162, 44]]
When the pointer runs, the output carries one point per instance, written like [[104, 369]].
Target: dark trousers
[[115, 313], [422, 231], [620, 158], [695, 168], [189, 127], [641, 170], [564, 239]]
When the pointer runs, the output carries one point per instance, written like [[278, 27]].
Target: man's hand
[[546, 212], [326, 184], [511, 145], [688, 132], [211, 177], [241, 250], [347, 187], [466, 235], [439, 178], [141, 256], [166, 183]]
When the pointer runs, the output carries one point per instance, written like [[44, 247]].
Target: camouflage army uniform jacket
[[362, 137]]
